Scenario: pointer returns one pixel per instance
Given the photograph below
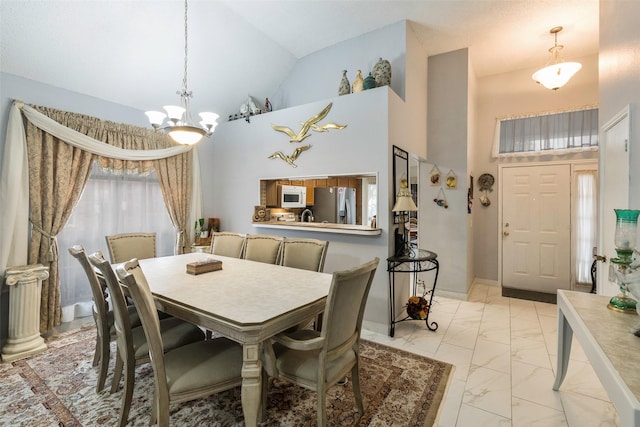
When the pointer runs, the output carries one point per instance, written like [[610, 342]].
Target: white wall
[[444, 231], [620, 76], [317, 76]]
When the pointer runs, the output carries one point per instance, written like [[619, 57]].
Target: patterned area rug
[[57, 388]]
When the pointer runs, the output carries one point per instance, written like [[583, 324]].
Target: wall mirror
[[400, 168]]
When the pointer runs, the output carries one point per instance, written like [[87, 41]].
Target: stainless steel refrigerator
[[335, 204]]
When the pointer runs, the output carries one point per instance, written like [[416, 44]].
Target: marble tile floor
[[504, 351]]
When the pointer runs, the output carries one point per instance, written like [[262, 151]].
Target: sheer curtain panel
[[547, 134]]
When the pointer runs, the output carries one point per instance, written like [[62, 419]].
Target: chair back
[[100, 306], [227, 244], [345, 305], [123, 247], [131, 275], [121, 320], [305, 254], [263, 248]]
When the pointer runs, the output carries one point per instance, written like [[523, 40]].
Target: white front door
[[614, 194], [536, 246]]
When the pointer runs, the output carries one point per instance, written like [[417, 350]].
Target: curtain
[[174, 174], [585, 223], [87, 134], [111, 203], [57, 175], [547, 133]]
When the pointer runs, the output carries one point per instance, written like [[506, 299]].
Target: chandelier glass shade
[[180, 126], [558, 73]]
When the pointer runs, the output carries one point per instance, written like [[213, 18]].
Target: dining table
[[246, 301]]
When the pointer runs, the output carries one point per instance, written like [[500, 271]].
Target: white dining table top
[[243, 292]]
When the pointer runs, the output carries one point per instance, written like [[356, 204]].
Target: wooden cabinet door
[[310, 184], [332, 182], [322, 183], [272, 194]]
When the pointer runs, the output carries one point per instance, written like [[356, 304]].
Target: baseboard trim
[[486, 282], [529, 295]]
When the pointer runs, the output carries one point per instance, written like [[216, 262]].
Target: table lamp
[[625, 240], [404, 203]]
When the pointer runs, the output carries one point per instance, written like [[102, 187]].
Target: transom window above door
[[555, 133]]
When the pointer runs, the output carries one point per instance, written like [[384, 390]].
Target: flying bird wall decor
[[310, 125]]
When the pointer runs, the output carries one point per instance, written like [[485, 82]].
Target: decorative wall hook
[[441, 200]]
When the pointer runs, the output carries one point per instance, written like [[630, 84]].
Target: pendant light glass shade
[[557, 74], [180, 125]]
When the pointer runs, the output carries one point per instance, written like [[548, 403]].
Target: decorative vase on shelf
[[345, 87], [358, 82], [382, 72], [369, 82]]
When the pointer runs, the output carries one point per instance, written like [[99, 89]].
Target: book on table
[[204, 266]]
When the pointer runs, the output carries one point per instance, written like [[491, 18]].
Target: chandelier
[[557, 74], [179, 122]]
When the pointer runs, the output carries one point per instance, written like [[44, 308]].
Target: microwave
[[293, 196]]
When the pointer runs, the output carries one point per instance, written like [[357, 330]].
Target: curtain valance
[[555, 133], [14, 182]]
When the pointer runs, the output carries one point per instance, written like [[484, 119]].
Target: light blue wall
[[33, 92], [317, 76], [237, 158]]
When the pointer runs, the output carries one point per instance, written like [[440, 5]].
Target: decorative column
[[24, 338]]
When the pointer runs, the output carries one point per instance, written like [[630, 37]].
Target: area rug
[[57, 388]]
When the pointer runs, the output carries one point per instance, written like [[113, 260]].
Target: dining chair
[[263, 248], [306, 254], [318, 360], [102, 316], [126, 246], [132, 346], [185, 373], [227, 244]]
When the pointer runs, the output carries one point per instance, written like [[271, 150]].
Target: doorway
[[536, 233]]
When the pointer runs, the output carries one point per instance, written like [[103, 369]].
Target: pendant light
[[557, 74], [180, 124]]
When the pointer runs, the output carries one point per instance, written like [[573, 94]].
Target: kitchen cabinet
[[343, 182], [332, 182], [322, 183], [272, 194], [310, 184]]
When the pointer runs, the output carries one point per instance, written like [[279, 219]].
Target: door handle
[[505, 233], [602, 258]]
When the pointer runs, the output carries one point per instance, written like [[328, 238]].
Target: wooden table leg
[[251, 383]]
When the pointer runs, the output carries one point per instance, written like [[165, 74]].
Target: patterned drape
[[58, 173]]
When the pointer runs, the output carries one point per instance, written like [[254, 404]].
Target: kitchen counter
[[320, 227]]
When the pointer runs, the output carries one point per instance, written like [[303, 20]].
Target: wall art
[[434, 176]]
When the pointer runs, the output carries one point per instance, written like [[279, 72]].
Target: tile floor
[[504, 352]]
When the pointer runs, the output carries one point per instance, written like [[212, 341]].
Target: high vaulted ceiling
[[131, 51]]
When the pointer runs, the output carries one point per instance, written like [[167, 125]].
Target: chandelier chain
[[186, 54]]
